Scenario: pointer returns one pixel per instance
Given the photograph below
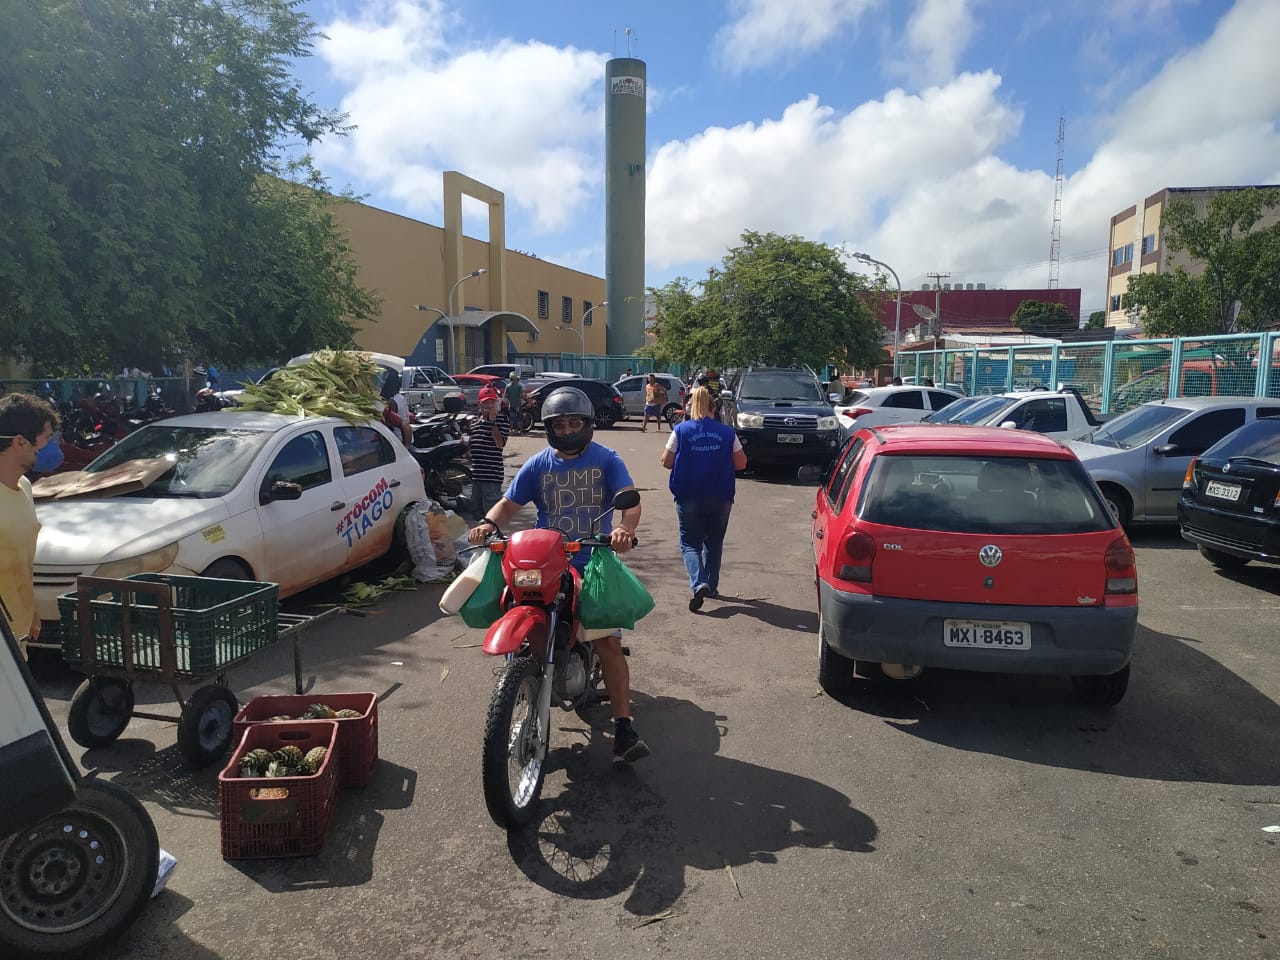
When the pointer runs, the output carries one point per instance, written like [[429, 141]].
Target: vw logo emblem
[[990, 555], [790, 421]]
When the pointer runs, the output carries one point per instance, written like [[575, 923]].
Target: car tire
[[1223, 561], [227, 568], [835, 670], [672, 414], [1102, 691], [1119, 502], [77, 912]]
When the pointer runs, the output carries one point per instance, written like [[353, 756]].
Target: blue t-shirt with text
[[569, 494]]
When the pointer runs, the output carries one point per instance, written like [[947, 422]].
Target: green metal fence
[[596, 367], [1113, 376]]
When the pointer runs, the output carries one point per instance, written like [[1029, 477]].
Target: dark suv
[[782, 415], [604, 397]]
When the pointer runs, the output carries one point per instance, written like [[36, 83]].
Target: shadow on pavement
[[1260, 576], [1185, 718], [347, 857], [156, 934], [1157, 536], [758, 608], [163, 777], [610, 829]]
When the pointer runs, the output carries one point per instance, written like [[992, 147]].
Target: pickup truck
[[427, 387], [1060, 414]]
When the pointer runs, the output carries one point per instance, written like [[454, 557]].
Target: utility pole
[[937, 300]]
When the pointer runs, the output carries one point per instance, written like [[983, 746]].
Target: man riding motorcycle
[[570, 483]]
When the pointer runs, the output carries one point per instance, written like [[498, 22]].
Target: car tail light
[[859, 551], [855, 413], [617, 400], [1186, 477], [1122, 570]]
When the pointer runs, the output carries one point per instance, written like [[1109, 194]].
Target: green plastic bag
[[485, 605], [611, 596]]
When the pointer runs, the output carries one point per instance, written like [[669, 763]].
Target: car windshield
[[987, 495], [781, 386], [1136, 427], [1259, 441], [952, 411], [207, 461], [987, 408]]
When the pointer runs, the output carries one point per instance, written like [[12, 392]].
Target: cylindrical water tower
[[624, 120]]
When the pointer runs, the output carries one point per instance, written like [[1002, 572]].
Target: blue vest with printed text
[[704, 461]]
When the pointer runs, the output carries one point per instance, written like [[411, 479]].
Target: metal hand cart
[[173, 630]]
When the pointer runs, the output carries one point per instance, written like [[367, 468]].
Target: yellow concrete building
[[1137, 245], [503, 302]]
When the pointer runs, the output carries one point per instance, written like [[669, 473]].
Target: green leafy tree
[[1042, 319], [140, 141], [1239, 288], [1097, 320], [774, 299]]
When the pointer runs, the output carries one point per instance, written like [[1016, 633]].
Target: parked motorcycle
[[440, 445], [547, 660]]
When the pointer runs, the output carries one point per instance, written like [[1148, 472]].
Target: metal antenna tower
[[1055, 243]]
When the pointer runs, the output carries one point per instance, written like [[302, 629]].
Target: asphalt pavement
[[963, 816]]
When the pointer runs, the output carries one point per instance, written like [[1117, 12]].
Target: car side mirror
[[1166, 450], [726, 395], [835, 397], [1009, 425], [282, 490]]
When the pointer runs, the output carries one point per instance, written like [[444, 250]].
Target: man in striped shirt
[[488, 436]]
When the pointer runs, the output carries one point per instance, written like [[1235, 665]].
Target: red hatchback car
[[970, 548]]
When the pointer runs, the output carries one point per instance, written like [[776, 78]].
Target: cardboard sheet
[[124, 478]]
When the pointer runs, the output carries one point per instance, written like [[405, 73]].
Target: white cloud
[[917, 180], [936, 35], [525, 118], [768, 30]]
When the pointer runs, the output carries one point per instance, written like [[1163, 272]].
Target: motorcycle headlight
[[157, 561], [527, 578], [750, 421], [828, 423]]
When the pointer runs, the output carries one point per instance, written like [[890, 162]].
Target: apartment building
[[1137, 244]]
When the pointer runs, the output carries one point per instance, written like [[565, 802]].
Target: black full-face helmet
[[568, 402]]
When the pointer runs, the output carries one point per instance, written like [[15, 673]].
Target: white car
[[259, 496], [632, 390], [428, 387], [880, 406]]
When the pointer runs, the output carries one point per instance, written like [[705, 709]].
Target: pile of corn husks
[[333, 383]]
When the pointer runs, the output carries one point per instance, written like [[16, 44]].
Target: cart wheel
[[100, 710], [204, 726]]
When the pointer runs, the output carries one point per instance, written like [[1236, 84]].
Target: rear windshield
[[974, 494], [1259, 440]]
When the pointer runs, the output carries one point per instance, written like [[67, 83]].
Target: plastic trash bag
[[422, 552], [484, 606], [611, 595]]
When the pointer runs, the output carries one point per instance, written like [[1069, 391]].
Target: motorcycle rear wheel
[[450, 484], [512, 765]]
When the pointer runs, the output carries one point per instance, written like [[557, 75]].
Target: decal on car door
[[367, 512]]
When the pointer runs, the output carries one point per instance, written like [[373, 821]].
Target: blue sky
[[920, 131]]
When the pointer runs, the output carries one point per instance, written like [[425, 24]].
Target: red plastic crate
[[254, 826], [357, 737]]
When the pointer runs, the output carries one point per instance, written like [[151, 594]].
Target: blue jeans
[[486, 494], [703, 522]]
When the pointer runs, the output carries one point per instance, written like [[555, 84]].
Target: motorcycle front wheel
[[450, 484], [513, 759]]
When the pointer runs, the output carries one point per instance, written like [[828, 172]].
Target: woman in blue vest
[[703, 456]]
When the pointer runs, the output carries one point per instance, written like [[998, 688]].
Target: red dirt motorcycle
[[547, 661]]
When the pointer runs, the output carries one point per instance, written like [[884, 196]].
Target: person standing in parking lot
[[514, 397], [655, 398], [488, 436], [703, 456], [27, 426]]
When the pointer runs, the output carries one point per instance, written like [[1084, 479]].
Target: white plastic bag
[[417, 536], [464, 586]]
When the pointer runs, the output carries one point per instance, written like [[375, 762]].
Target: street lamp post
[[897, 310], [422, 306], [585, 316], [574, 330], [448, 322]]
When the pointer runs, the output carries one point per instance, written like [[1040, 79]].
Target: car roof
[[235, 419], [1200, 403], [945, 439]]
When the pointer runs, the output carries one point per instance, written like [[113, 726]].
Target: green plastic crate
[[215, 624]]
